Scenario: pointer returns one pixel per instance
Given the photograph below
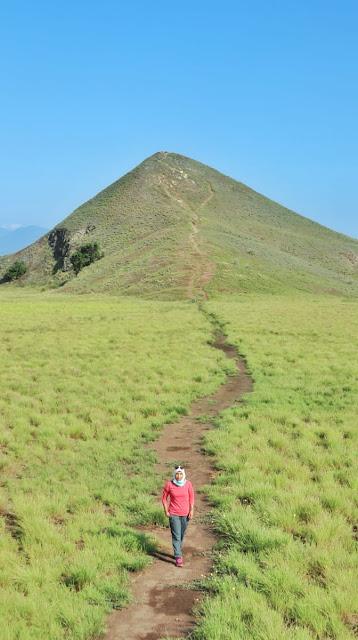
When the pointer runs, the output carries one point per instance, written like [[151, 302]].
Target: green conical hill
[[174, 228]]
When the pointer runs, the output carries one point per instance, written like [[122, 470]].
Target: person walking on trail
[[181, 509]]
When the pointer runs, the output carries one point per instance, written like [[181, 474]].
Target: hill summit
[[174, 228]]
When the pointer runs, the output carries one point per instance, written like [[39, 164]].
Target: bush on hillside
[[85, 255], [16, 270]]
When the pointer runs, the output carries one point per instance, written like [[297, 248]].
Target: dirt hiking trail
[[164, 596], [202, 269]]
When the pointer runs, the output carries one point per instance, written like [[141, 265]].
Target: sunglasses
[[179, 468]]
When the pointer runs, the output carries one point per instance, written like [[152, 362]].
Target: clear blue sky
[[266, 92]]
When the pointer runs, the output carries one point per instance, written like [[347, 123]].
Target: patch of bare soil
[[164, 595]]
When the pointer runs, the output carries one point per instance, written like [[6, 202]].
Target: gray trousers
[[178, 525]]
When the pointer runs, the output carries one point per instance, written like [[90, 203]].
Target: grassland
[[85, 382], [285, 499]]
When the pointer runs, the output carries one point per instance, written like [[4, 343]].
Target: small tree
[[16, 270], [85, 255]]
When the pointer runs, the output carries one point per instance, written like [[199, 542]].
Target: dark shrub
[[85, 255], [16, 270]]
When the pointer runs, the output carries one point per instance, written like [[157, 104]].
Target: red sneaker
[[179, 562]]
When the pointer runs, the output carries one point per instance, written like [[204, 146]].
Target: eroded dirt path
[[202, 268], [164, 596]]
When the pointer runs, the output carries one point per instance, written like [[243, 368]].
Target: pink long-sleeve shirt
[[181, 498]]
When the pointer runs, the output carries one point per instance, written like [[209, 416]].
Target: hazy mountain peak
[[18, 237]]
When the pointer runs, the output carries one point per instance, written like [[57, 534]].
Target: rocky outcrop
[[59, 241]]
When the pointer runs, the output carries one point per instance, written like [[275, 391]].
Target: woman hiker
[[181, 509]]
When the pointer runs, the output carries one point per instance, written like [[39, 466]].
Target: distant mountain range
[[17, 239], [174, 228]]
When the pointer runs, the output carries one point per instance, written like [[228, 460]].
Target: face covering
[[183, 481]]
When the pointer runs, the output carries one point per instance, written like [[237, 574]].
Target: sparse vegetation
[[16, 270]]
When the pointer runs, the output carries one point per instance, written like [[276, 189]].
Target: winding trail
[[165, 596]]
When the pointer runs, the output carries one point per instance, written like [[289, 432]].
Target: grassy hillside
[[174, 229], [286, 494]]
